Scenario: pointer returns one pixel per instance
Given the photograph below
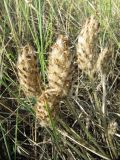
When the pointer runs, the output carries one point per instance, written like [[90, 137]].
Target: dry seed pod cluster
[[59, 69], [87, 58], [86, 47], [58, 80], [45, 107], [103, 59], [29, 77], [60, 66]]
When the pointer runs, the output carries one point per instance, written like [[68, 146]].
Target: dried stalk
[[102, 66]]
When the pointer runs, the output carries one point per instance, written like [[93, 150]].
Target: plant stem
[[103, 80]]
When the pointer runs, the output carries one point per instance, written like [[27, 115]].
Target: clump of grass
[[79, 133]]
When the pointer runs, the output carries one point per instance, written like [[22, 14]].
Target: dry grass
[[85, 122]]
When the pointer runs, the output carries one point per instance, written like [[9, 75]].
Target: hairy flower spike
[[45, 107], [59, 67], [29, 77], [86, 47], [103, 60], [59, 78]]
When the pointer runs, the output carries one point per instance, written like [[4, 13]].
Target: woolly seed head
[[45, 107], [59, 66], [103, 60], [29, 77], [90, 29], [86, 47]]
